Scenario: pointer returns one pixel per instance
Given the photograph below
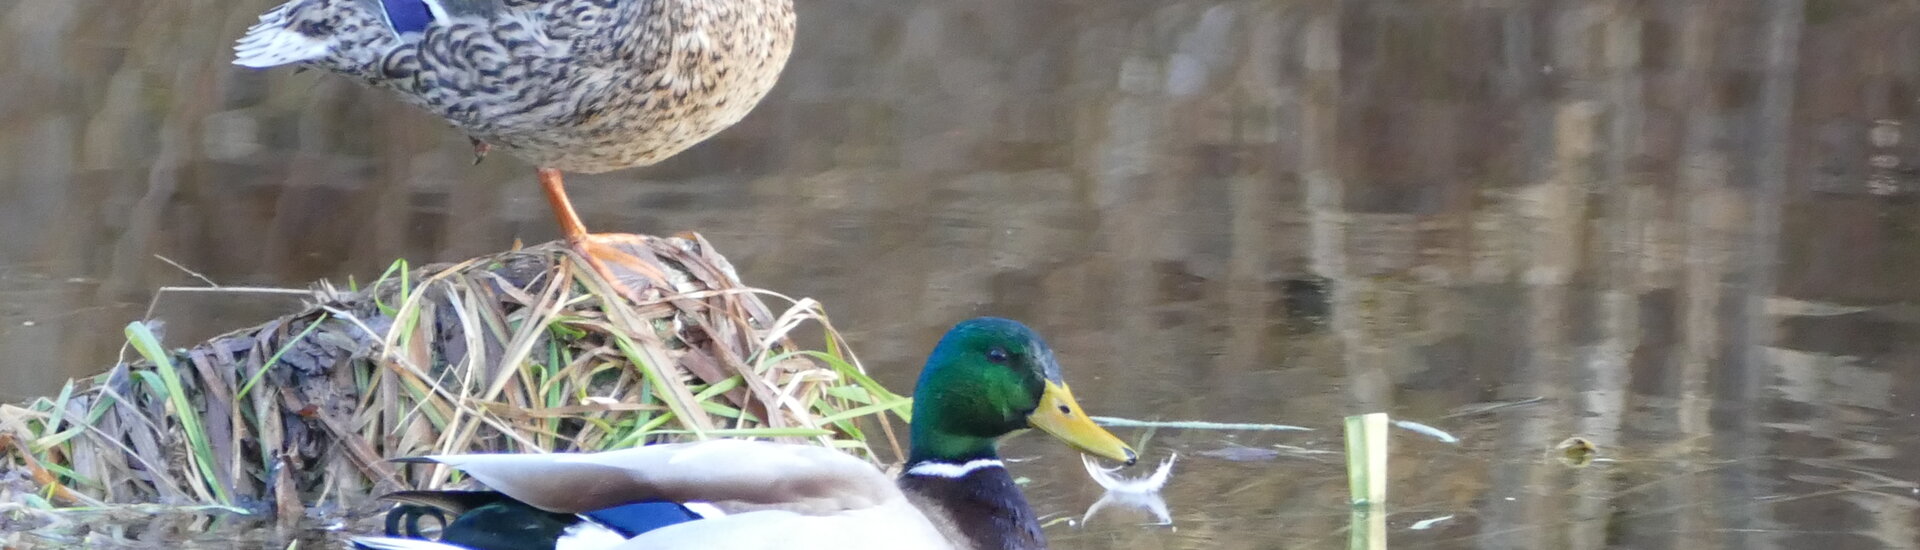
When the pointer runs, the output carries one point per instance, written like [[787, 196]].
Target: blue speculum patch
[[408, 15], [640, 517]]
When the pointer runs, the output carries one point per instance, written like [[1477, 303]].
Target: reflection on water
[[1687, 227]]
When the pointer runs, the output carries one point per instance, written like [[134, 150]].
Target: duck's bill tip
[[1061, 417]]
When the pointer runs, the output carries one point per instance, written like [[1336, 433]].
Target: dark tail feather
[[455, 502], [404, 519]]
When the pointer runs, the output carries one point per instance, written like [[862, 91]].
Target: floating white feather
[[1115, 484], [1140, 493]]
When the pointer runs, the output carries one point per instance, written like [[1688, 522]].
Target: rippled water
[[1685, 231]]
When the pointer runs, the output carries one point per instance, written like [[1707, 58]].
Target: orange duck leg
[[613, 256]]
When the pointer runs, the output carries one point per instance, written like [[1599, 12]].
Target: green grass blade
[[657, 381], [275, 359], [148, 345], [1367, 459], [754, 432], [856, 412], [850, 372]]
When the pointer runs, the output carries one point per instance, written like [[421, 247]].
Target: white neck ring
[[950, 470]]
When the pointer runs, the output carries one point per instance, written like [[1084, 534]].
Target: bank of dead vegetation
[[522, 351]]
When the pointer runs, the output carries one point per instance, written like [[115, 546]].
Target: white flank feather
[[706, 510], [436, 10], [588, 535], [273, 42]]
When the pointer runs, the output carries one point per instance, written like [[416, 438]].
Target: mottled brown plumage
[[573, 85], [569, 85]]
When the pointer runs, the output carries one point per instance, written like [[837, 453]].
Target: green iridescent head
[[989, 377]]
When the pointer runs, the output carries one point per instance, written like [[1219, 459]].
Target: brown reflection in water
[[1689, 226]]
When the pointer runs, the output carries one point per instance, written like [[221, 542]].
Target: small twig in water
[[1195, 425], [189, 272], [1426, 430]]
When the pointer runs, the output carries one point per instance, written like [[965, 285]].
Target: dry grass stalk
[[514, 352]]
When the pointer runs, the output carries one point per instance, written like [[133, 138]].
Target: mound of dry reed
[[520, 351]]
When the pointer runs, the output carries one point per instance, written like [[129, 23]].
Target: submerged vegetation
[[522, 351]]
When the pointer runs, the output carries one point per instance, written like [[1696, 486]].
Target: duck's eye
[[1066, 410], [997, 355]]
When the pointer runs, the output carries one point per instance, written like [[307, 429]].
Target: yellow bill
[[1061, 417]]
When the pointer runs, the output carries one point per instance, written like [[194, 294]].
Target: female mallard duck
[[986, 378], [575, 85]]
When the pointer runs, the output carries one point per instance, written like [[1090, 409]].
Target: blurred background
[[1683, 230]]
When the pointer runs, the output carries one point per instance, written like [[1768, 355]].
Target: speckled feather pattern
[[576, 85]]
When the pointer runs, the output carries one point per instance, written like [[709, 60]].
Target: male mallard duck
[[985, 379], [575, 85]]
